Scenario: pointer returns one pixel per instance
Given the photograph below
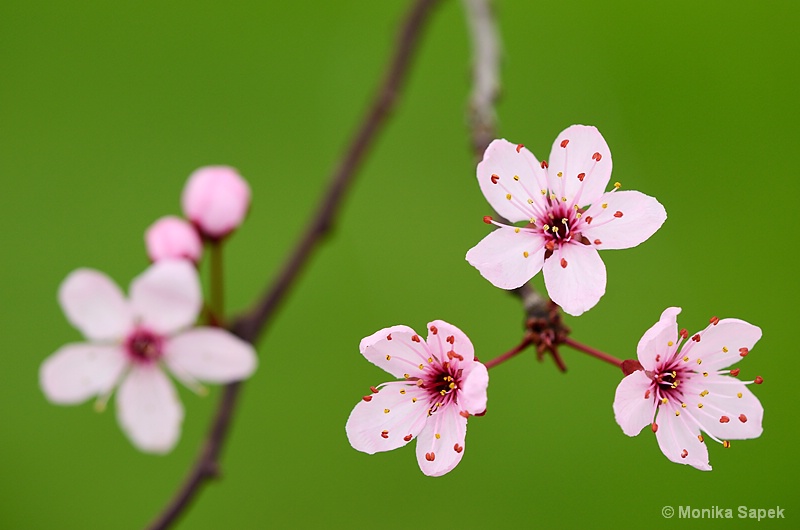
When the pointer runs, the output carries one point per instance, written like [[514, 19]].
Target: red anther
[[596, 157], [487, 219], [714, 320], [453, 355], [759, 380], [389, 336], [367, 398], [434, 330], [415, 338], [684, 453], [617, 214], [407, 437], [550, 245], [735, 372], [495, 178], [519, 146], [581, 176], [647, 394], [654, 426], [430, 457], [696, 337], [458, 448], [564, 143], [374, 390], [598, 242], [563, 263], [743, 352], [658, 358], [588, 219], [683, 333], [724, 419], [544, 164], [742, 418], [451, 339], [464, 413], [385, 434]]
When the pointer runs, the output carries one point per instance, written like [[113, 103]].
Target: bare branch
[[251, 325]]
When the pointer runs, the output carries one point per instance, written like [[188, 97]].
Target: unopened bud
[[216, 199], [173, 238]]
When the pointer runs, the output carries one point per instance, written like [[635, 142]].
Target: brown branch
[[250, 325], [540, 316]]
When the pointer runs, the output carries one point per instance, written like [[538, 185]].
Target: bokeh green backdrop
[[106, 107]]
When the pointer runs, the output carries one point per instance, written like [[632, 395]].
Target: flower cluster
[[132, 342]]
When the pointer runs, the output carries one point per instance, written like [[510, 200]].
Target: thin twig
[[516, 350], [597, 354], [251, 325]]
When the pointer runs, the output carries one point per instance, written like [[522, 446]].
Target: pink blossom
[[680, 393], [442, 384], [569, 217], [216, 200], [173, 238], [132, 341]]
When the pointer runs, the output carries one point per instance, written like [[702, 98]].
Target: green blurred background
[[106, 107]]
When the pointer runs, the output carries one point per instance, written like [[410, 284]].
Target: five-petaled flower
[[569, 217], [442, 385], [131, 341], [680, 392]]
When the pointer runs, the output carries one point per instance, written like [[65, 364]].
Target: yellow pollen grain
[[532, 220], [705, 374], [664, 401], [560, 174], [617, 185], [544, 192], [699, 405], [430, 359], [525, 254], [546, 228], [739, 395], [563, 199], [724, 349], [413, 400], [452, 385], [402, 391], [530, 201], [686, 359], [406, 376], [421, 366], [443, 392], [438, 435], [516, 177], [683, 405], [677, 413], [388, 357], [670, 343], [699, 361], [555, 229], [578, 216], [508, 196], [605, 205], [386, 411], [516, 230]]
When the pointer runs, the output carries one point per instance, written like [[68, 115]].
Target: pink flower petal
[[387, 419], [578, 286], [398, 350], [582, 147], [210, 354], [655, 342], [148, 409], [724, 414], [440, 445], [633, 404], [77, 372], [501, 162], [95, 305], [216, 200], [471, 397], [628, 219], [173, 238], [449, 338], [167, 296], [678, 439], [508, 259], [722, 345]]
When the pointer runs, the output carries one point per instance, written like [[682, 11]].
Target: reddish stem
[[519, 348], [594, 353]]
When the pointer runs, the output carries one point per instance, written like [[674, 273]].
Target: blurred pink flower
[[132, 341], [216, 200], [173, 238], [683, 392], [570, 217], [442, 385]]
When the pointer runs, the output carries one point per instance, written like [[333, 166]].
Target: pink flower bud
[[216, 199], [170, 238]]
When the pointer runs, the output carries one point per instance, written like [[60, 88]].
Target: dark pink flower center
[[144, 346], [441, 382]]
